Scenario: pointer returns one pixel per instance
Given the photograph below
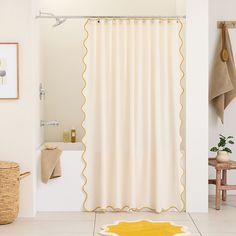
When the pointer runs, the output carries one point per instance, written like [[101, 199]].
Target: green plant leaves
[[221, 146], [222, 142], [214, 149], [222, 136], [227, 150]]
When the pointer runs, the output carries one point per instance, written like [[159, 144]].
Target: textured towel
[[223, 81], [50, 164]]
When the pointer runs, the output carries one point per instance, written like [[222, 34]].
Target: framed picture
[[9, 71]]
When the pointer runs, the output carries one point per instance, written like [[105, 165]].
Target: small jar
[[66, 136]]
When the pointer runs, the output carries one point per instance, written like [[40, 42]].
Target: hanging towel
[[50, 164], [223, 81]]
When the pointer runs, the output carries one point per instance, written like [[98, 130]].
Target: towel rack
[[229, 24]]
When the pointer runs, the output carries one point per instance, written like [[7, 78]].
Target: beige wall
[[219, 10], [17, 127], [62, 52]]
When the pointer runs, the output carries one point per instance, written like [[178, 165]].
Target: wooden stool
[[221, 184]]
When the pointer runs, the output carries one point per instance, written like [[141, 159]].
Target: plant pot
[[222, 156]]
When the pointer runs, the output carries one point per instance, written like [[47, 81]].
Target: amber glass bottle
[[73, 135]]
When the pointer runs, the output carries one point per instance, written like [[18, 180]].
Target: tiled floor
[[215, 223]]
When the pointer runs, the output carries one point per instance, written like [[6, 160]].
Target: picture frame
[[9, 71]]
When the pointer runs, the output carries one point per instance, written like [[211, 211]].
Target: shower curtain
[[133, 72]]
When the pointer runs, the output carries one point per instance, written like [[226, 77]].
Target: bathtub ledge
[[78, 146]]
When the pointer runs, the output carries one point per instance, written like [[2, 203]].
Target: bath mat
[[144, 228]]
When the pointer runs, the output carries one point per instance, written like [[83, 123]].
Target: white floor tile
[[215, 215], [43, 227], [216, 226], [217, 222], [80, 216]]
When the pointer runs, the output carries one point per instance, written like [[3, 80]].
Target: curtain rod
[[100, 17], [45, 15], [61, 19]]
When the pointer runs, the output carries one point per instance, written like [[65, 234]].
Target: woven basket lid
[[8, 165]]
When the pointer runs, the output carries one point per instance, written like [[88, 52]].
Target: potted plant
[[222, 149]]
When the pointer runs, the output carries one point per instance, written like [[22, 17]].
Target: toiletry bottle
[[73, 135], [66, 136]]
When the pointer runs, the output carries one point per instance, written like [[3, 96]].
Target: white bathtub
[[63, 193]]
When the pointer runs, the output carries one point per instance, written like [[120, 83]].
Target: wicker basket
[[9, 191]]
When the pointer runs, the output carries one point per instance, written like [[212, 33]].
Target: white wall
[[219, 10], [17, 126], [62, 52], [180, 7], [108, 7], [37, 73], [197, 106]]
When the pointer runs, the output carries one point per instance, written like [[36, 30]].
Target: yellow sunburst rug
[[144, 228]]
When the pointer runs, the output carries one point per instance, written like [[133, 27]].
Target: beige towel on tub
[[223, 81], [50, 164]]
